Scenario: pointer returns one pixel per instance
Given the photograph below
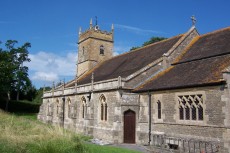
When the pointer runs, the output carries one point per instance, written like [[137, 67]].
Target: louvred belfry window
[[102, 49]]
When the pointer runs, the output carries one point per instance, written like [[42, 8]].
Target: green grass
[[31, 116], [108, 149], [21, 133]]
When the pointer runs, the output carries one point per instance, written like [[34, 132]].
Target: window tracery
[[191, 107]]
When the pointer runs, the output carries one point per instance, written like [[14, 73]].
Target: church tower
[[94, 46]]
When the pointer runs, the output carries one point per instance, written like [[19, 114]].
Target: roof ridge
[[216, 31], [123, 54], [203, 58], [138, 49]]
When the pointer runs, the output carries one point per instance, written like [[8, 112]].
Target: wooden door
[[129, 126]]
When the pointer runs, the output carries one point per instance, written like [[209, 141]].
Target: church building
[[172, 94]]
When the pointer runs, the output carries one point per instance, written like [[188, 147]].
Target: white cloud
[[47, 77], [48, 67], [120, 48], [135, 29]]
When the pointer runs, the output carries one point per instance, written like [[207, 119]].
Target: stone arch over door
[[129, 126]]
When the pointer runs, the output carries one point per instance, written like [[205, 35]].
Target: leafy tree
[[152, 40], [19, 56], [13, 74], [133, 48]]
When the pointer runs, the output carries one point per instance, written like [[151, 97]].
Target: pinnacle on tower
[[91, 23], [112, 27], [79, 33]]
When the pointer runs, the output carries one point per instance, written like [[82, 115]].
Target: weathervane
[[193, 20]]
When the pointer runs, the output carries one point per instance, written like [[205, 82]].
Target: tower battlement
[[96, 34], [94, 46]]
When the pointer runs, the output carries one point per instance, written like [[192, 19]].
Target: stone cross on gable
[[193, 20]]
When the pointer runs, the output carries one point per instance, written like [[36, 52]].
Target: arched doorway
[[129, 126]]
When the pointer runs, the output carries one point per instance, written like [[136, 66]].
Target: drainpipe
[[150, 117]]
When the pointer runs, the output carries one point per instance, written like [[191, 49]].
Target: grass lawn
[[22, 133]]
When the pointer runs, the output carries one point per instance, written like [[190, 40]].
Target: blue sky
[[51, 26]]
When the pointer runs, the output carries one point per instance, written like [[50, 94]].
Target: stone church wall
[[211, 128]]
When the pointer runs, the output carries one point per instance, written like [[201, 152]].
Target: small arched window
[[58, 107], [83, 100], [102, 49], [69, 108], [159, 109], [104, 108]]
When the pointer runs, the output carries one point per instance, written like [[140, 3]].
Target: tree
[[133, 48], [13, 74], [152, 40]]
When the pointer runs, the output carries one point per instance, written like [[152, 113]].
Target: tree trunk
[[8, 95], [7, 105], [17, 96], [7, 101]]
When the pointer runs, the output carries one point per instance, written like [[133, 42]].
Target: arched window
[[103, 107], [83, 50], [159, 109], [69, 108], [83, 100], [57, 108], [102, 50]]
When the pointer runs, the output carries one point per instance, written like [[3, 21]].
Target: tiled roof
[[208, 45], [128, 63], [202, 64], [197, 73]]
